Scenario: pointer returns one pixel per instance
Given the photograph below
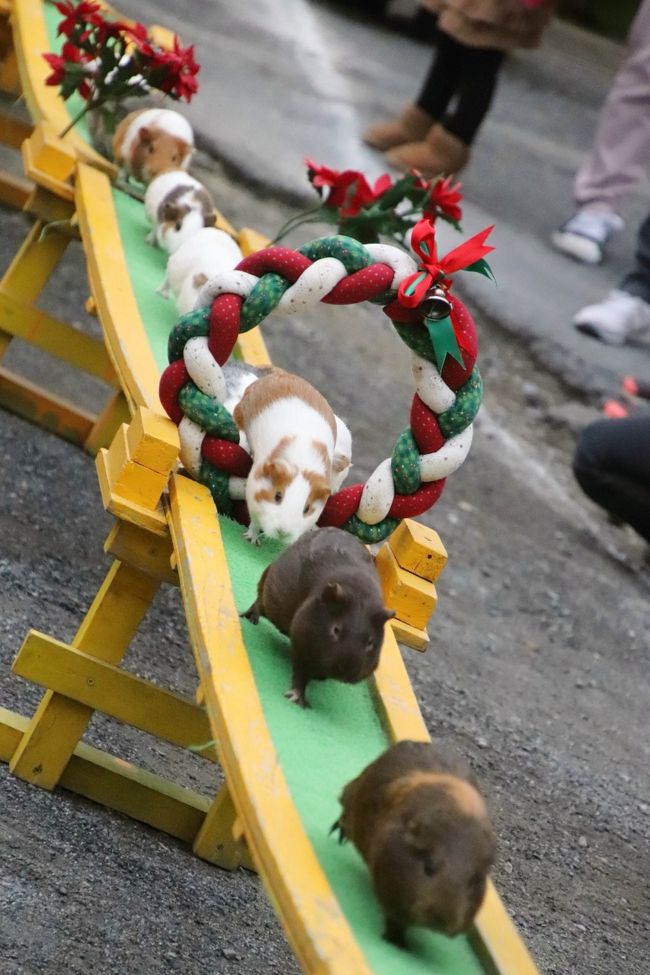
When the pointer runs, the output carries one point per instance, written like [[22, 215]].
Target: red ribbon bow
[[433, 270]]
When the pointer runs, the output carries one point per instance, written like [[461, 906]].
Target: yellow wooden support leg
[[408, 564], [115, 413], [31, 268], [218, 840], [58, 723]]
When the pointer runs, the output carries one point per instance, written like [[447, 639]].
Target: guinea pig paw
[[342, 837], [253, 534], [394, 933], [297, 697]]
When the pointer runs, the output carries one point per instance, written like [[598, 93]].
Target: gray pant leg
[[621, 150]]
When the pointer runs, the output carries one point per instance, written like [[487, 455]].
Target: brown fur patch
[[170, 202], [320, 486], [469, 801], [199, 280], [276, 386]]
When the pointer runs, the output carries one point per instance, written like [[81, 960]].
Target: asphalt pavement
[[285, 80]]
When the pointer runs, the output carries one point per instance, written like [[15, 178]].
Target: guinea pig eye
[[278, 497], [335, 631], [150, 148], [174, 158], [429, 866], [307, 509], [178, 225]]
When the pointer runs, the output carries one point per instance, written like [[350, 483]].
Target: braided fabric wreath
[[335, 270]]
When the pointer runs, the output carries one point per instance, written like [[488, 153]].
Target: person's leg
[[619, 155], [479, 71], [612, 466], [443, 77], [625, 312], [621, 148], [637, 282]]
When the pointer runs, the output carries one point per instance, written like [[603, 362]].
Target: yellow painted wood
[[52, 412], [106, 631], [152, 520], [9, 77], [59, 187], [418, 549], [153, 441], [252, 348], [111, 287], [104, 687], [24, 321], [251, 241], [14, 190], [215, 840], [221, 223], [50, 154], [119, 785], [413, 599], [14, 130], [144, 551], [43, 101], [411, 636], [49, 209], [108, 422], [316, 928], [130, 480]]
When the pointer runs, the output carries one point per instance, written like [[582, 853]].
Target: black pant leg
[[612, 466], [443, 77], [477, 84], [637, 282]]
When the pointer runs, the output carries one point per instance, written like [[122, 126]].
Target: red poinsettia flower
[[176, 71], [349, 191], [444, 200], [69, 54], [76, 13]]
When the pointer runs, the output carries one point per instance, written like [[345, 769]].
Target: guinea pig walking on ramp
[[151, 140], [418, 820], [177, 205], [294, 439], [324, 594], [198, 258]]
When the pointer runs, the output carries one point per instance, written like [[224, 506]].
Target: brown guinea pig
[[152, 140], [419, 822], [324, 593]]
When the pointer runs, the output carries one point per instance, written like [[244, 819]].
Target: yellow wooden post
[[408, 564], [215, 840], [107, 630], [108, 422]]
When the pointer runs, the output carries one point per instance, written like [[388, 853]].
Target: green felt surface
[[321, 749], [324, 747]]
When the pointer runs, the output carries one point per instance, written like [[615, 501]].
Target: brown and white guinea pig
[[323, 592], [419, 822], [151, 140], [291, 432], [196, 260], [177, 205]]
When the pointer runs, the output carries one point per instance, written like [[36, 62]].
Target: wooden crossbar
[[106, 688]]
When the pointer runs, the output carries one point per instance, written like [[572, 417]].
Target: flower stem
[[308, 216]]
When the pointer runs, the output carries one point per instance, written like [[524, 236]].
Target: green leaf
[[482, 267]]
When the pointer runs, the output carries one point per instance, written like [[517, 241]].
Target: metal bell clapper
[[435, 304]]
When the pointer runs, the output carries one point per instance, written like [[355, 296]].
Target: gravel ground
[[537, 671]]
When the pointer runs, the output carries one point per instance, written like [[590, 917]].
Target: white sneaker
[[585, 235], [618, 317]]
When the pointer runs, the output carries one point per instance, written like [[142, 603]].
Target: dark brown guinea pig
[[324, 594], [419, 822]]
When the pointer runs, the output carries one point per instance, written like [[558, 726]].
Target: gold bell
[[436, 304]]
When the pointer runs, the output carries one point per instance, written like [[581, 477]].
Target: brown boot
[[441, 153], [411, 126]]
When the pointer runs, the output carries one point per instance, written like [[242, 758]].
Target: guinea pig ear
[[145, 134], [333, 592], [209, 219]]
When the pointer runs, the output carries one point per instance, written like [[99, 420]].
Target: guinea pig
[[324, 594], [177, 205], [195, 261], [151, 140], [291, 432], [419, 822]]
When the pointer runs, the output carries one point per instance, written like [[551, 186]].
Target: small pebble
[[229, 953], [482, 742], [582, 841]]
